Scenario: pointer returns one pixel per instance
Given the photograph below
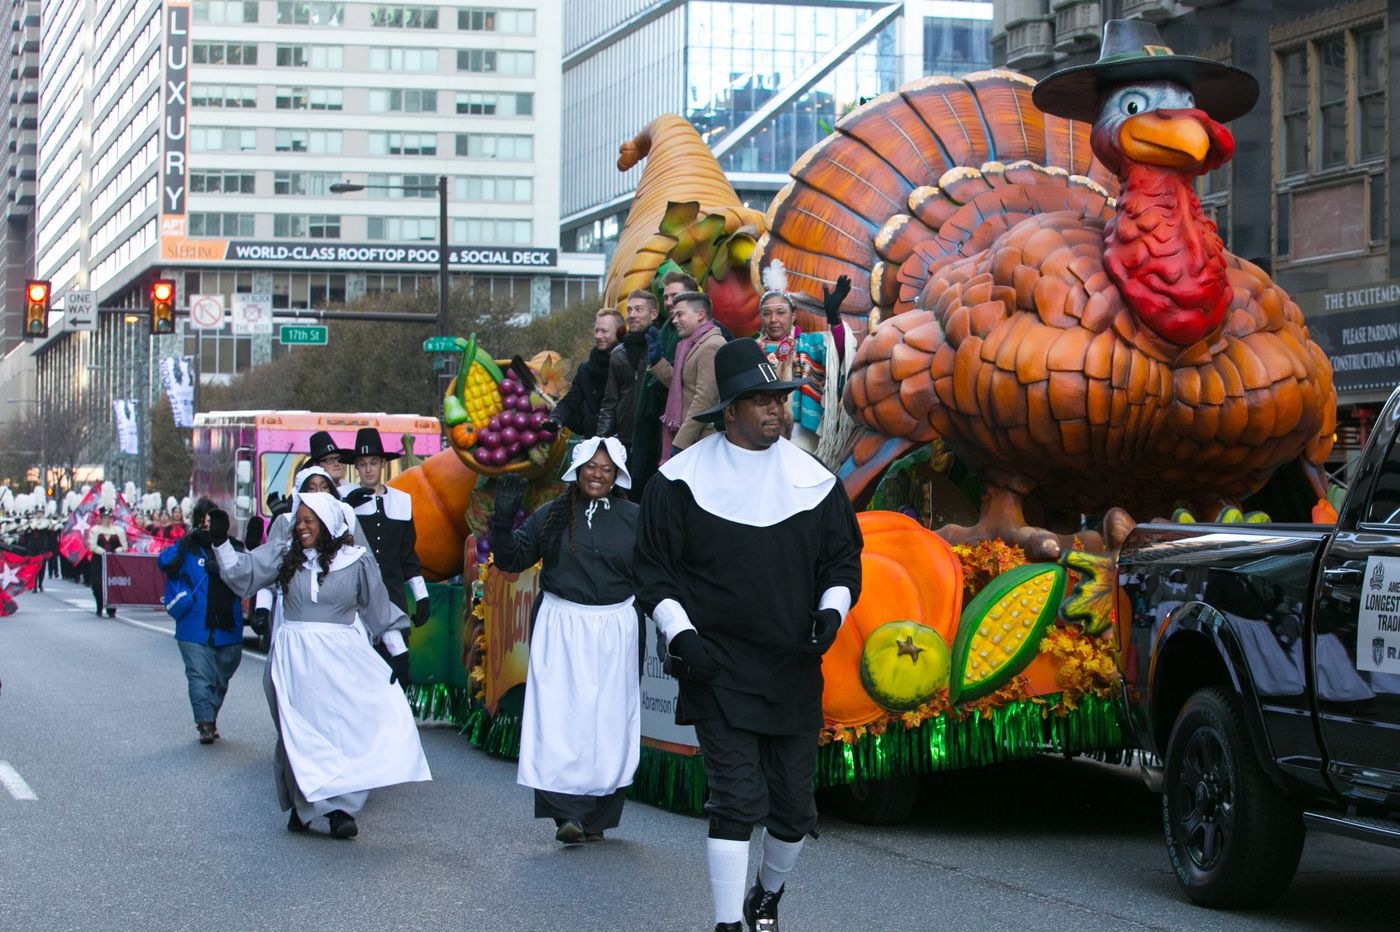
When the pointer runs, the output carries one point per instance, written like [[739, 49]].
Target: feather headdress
[[775, 282]]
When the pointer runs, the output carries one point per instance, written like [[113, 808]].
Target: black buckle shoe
[[342, 824], [761, 908], [570, 833], [294, 824]]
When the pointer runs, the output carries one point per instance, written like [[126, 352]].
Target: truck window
[[1385, 495]]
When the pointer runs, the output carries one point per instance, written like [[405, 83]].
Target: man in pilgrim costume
[[386, 516], [748, 559], [343, 728]]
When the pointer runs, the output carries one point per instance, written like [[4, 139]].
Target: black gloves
[[358, 496], [398, 663], [278, 504], [825, 623], [689, 658], [831, 300], [260, 620], [420, 612], [218, 527], [196, 539], [510, 492]]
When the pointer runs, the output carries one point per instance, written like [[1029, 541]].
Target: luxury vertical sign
[[174, 137]]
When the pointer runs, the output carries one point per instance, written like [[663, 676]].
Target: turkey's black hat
[[741, 367], [1133, 51], [367, 443], [323, 447]]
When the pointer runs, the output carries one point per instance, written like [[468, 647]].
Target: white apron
[[344, 726], [581, 729]]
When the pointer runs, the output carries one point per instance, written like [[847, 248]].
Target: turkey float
[[1047, 296]]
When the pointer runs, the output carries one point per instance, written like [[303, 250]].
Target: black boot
[[570, 832], [761, 908], [207, 734], [343, 824]]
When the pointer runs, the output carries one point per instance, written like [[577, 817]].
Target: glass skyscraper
[[761, 81]]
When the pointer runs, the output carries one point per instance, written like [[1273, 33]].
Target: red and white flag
[[17, 574]]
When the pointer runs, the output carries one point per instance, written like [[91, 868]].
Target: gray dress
[[345, 593]]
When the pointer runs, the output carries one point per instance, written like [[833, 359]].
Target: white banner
[[124, 412], [1378, 622], [252, 313], [177, 375]]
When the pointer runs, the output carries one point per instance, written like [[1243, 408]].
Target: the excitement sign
[[1359, 330]]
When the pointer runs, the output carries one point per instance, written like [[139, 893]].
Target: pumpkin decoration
[[903, 665], [1000, 630], [909, 575], [441, 489]]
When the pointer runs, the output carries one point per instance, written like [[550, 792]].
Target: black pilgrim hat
[[742, 367], [1133, 51], [323, 447], [367, 443]]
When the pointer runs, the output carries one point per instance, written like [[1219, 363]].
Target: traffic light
[[36, 309], [162, 307]]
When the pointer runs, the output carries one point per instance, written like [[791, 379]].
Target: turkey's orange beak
[[1170, 139]]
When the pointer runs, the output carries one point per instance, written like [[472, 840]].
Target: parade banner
[[437, 651], [132, 579], [659, 693], [508, 599], [177, 375], [128, 433]]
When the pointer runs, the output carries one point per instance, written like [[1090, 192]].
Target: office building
[[19, 93]]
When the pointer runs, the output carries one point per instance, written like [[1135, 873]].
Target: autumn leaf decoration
[[1090, 602]]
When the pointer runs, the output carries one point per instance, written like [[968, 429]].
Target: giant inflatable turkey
[[1047, 296]]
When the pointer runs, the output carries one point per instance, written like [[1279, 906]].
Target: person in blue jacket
[[210, 630]]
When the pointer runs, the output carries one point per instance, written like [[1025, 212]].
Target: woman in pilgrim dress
[[580, 737], [343, 727]]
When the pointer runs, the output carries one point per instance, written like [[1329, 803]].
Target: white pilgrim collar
[[755, 487]]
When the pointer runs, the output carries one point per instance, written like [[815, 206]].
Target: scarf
[[671, 417]]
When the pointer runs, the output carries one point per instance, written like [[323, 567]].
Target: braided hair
[[563, 511], [295, 557]]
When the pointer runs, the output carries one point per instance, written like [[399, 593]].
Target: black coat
[[578, 409], [626, 365], [388, 525]]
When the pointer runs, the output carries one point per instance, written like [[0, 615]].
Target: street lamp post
[[444, 282]]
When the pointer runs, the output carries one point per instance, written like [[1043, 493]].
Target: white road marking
[[158, 629], [13, 782]]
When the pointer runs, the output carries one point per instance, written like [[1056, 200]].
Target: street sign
[[302, 335], [252, 313], [441, 345], [80, 311], [206, 311]]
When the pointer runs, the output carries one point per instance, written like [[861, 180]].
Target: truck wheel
[[873, 802], [1233, 838]]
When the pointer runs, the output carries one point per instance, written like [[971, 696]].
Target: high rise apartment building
[[19, 97]]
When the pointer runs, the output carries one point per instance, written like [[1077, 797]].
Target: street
[[136, 826]]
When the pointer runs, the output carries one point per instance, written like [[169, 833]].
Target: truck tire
[[1233, 838], [872, 802]]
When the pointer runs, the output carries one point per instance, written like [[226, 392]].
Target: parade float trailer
[[1053, 342]]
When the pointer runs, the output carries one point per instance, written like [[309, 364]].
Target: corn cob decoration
[[999, 633], [475, 395]]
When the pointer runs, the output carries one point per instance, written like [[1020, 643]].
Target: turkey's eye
[[1134, 103]]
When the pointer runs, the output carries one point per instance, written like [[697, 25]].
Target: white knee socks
[[779, 858], [729, 870]]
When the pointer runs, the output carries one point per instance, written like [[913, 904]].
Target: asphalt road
[[136, 826]]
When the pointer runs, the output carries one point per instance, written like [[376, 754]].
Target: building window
[[310, 98], [224, 11], [310, 14], [221, 181], [209, 224], [1370, 94], [403, 144], [480, 103], [303, 184], [227, 96], [485, 188], [486, 19], [403, 17], [403, 101], [957, 46], [223, 53], [1293, 107], [306, 226], [491, 61], [395, 59], [320, 57], [223, 139], [314, 141], [402, 186], [495, 146], [475, 232], [417, 229], [1332, 102]]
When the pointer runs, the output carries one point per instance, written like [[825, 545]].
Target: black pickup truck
[[1262, 671]]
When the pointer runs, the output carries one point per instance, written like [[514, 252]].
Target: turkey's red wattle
[[1165, 256]]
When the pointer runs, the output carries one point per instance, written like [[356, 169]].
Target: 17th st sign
[[175, 125]]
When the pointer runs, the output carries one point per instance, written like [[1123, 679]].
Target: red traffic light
[[38, 292], [162, 291]]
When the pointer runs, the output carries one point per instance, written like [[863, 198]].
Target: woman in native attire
[[580, 736], [343, 727]]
